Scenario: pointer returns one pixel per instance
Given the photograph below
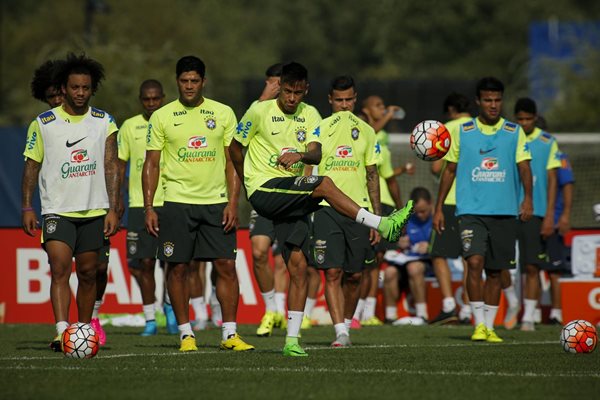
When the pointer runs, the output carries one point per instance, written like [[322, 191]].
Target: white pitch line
[[308, 370], [311, 348]]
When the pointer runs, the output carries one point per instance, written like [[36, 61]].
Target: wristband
[[26, 209]]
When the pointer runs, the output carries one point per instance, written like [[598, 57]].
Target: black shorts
[[104, 253], [140, 244], [339, 242], [80, 234], [558, 254], [493, 237], [288, 202], [532, 247], [194, 231], [383, 244], [261, 226], [447, 244]]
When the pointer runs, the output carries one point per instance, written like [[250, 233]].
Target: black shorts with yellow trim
[[80, 234], [339, 242], [140, 244], [532, 247], [261, 226], [194, 231], [447, 244], [490, 236], [287, 202]]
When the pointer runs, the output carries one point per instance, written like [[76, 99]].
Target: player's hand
[[526, 210], [404, 242], [374, 237], [270, 91], [30, 222], [151, 221], [111, 223], [438, 221], [286, 160], [410, 168], [230, 219], [563, 224], [421, 247], [547, 227]]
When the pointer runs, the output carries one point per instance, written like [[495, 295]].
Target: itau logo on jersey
[[343, 151], [78, 166], [196, 151], [488, 171]]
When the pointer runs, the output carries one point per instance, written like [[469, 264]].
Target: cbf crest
[[168, 249], [301, 134], [211, 123], [50, 226], [355, 132]]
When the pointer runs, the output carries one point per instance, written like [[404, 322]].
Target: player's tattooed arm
[[313, 154], [373, 188], [111, 171], [28, 184]]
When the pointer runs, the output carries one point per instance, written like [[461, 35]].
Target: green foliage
[[238, 39]]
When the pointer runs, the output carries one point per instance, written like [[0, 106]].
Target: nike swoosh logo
[[75, 142], [275, 133], [181, 123], [482, 152]]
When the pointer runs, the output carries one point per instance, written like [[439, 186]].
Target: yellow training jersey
[[34, 147], [193, 141], [553, 159], [268, 132], [132, 148], [348, 146], [453, 127]]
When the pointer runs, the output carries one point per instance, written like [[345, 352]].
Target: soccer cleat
[[306, 323], [554, 321], [480, 334], [279, 320], [413, 321], [200, 324], [510, 320], [171, 320], [342, 340], [492, 337], [188, 343], [95, 323], [391, 226], [373, 321], [355, 324], [294, 350], [444, 318], [527, 326], [56, 344], [150, 329], [234, 342], [267, 323]]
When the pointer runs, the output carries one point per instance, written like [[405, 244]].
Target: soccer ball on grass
[[430, 140], [80, 340], [578, 336]]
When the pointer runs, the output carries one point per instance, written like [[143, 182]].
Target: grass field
[[385, 362]]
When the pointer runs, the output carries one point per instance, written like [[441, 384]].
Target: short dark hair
[[343, 82], [489, 83], [190, 63], [526, 104], [459, 101], [44, 77], [80, 64], [150, 83], [293, 72], [420, 193], [274, 70]]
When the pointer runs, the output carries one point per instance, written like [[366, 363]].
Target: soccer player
[[262, 237], [447, 244], [44, 86], [414, 260], [199, 216], [141, 246], [282, 136], [343, 247], [72, 150], [377, 114], [532, 234], [490, 160]]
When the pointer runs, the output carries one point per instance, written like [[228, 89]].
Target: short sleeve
[[155, 138], [247, 127], [34, 148], [123, 142], [522, 152], [554, 156], [230, 127]]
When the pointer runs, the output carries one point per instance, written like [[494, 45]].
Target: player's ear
[[307, 87], [329, 99], [203, 83]]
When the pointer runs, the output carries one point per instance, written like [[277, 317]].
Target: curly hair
[[44, 77], [80, 64]]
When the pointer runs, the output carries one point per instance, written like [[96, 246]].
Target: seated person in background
[[413, 259]]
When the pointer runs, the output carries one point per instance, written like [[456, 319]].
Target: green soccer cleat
[[391, 226], [234, 342], [306, 323], [267, 323], [294, 350], [188, 343], [480, 334], [492, 337]]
